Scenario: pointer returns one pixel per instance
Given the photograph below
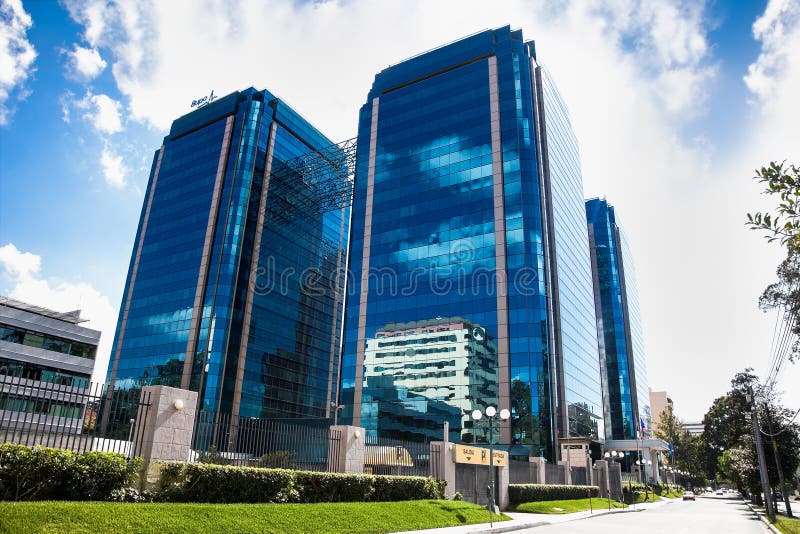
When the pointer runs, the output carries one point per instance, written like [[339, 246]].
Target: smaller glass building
[[43, 355], [619, 328]]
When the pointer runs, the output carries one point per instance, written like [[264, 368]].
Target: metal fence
[[91, 418], [578, 476], [384, 456], [222, 438], [522, 472], [554, 474]]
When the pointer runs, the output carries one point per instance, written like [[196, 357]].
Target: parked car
[[719, 492], [688, 495]]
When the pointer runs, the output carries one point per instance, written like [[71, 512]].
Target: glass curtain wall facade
[[619, 327], [467, 211], [236, 279]]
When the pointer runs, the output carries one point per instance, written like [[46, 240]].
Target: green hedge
[[41, 473], [520, 493], [196, 482]]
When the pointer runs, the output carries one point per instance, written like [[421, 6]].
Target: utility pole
[[762, 464], [778, 465]]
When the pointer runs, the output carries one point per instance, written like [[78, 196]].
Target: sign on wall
[[479, 456]]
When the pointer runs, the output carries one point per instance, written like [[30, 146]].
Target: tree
[[786, 293], [726, 420], [668, 426], [728, 435], [787, 440], [688, 452], [783, 225], [742, 467]]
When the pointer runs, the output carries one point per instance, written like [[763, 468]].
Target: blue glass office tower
[[235, 286], [619, 328], [468, 247]]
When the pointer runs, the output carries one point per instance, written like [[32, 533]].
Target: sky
[[674, 104]]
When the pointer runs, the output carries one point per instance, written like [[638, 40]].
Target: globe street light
[[491, 416]]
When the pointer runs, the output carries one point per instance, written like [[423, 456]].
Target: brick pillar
[[351, 450], [615, 478], [444, 467], [540, 474], [567, 472], [502, 486], [166, 431], [601, 475]]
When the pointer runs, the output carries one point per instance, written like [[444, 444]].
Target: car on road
[[719, 492], [688, 496]]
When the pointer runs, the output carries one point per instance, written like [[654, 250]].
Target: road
[[717, 515]]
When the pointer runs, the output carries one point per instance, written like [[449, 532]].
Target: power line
[[783, 347], [772, 346], [784, 428]]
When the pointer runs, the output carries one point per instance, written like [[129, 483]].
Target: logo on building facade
[[200, 102]]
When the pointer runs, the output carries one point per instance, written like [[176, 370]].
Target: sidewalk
[[521, 521]]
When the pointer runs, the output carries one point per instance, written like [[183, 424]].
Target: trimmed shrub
[[632, 487], [198, 482], [520, 493], [404, 488], [42, 473], [192, 482], [334, 487]]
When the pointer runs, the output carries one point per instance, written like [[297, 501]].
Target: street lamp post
[[336, 408], [612, 455], [491, 415], [589, 475]]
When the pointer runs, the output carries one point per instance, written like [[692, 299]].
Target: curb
[[522, 523], [763, 517], [521, 526]]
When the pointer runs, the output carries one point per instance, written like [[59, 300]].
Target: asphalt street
[[718, 515]]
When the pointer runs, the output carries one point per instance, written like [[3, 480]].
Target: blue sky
[[674, 104]]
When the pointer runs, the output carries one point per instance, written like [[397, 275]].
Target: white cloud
[[19, 264], [17, 55], [85, 63], [114, 170], [21, 270], [778, 29], [92, 14], [103, 113]]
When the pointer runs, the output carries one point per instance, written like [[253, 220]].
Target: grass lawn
[[98, 517], [651, 497], [566, 507], [786, 525]]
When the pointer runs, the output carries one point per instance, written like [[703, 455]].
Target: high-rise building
[[235, 286], [46, 362], [659, 401], [468, 206], [619, 327]]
